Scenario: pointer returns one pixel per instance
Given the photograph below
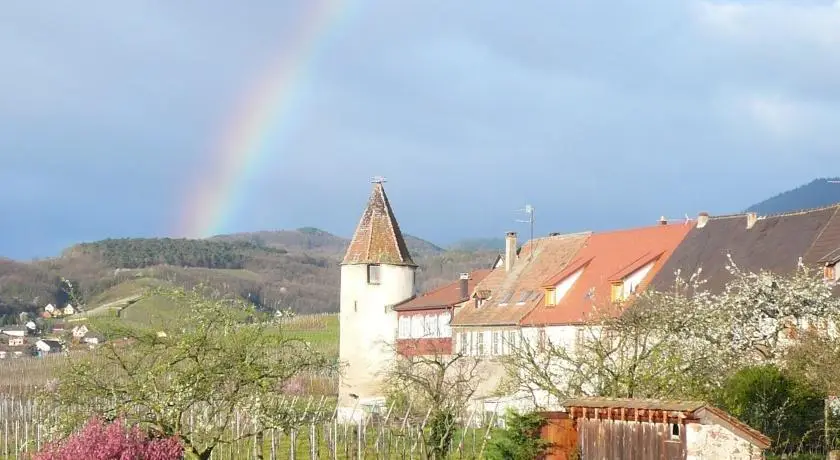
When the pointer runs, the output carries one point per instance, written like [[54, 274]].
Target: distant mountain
[[296, 269], [816, 194]]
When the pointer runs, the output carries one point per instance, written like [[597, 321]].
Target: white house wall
[[563, 286], [712, 442]]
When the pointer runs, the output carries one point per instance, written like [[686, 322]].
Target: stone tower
[[377, 272]]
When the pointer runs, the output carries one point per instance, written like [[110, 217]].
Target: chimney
[[510, 250], [751, 219], [464, 285], [702, 219], [663, 221]]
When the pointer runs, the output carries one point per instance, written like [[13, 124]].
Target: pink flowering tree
[[98, 440]]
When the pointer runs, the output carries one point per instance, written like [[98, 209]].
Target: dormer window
[[617, 291], [830, 272], [549, 297], [373, 274]]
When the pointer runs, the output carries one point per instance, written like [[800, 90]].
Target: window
[[464, 343], [505, 298], [479, 343], [443, 324], [405, 327], [541, 342], [675, 431], [549, 297], [579, 338], [373, 274], [511, 341], [617, 292], [497, 343], [523, 297], [429, 326], [830, 272], [417, 325]]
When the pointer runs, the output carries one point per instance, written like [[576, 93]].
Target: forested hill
[[297, 269], [816, 194]]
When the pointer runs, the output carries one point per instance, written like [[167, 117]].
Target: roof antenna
[[530, 211], [378, 180]]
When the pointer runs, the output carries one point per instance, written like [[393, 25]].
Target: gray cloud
[[601, 116]]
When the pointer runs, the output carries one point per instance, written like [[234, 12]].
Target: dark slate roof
[[826, 249], [378, 239], [775, 243]]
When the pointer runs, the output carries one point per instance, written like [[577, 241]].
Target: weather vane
[[378, 180]]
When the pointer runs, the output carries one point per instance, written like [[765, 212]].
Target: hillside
[[295, 269], [816, 194]]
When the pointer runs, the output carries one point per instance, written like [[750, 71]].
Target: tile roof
[[523, 285], [609, 256], [378, 239], [444, 296], [775, 243], [826, 248]]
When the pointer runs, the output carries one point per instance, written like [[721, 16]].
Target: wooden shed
[[608, 428]]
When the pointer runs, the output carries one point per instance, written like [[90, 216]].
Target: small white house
[[80, 331], [31, 325], [50, 308], [15, 331], [48, 346], [93, 338], [16, 341], [69, 310]]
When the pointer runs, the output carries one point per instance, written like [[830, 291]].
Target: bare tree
[[436, 385], [658, 344]]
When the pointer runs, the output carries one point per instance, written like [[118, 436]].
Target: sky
[[599, 114]]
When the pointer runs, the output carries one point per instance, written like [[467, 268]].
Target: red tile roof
[[378, 239], [444, 296], [606, 257]]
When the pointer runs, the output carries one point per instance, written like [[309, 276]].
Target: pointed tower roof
[[378, 239]]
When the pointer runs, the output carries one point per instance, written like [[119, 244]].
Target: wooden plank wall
[[615, 439], [562, 438]]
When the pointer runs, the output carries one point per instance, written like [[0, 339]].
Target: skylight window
[[505, 298], [524, 296]]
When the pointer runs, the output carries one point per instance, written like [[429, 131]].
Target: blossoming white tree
[[681, 343]]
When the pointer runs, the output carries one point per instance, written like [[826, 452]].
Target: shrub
[[520, 440], [784, 408], [114, 441]]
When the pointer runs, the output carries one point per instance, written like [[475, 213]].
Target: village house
[[17, 331], [597, 428], [16, 341], [47, 346], [377, 273], [424, 320], [607, 271], [773, 243], [80, 331], [69, 310], [491, 324], [93, 338], [50, 308]]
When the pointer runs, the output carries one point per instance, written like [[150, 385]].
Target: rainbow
[[262, 116]]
